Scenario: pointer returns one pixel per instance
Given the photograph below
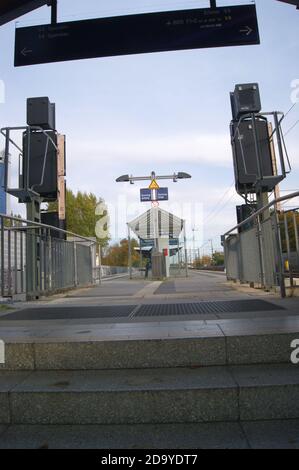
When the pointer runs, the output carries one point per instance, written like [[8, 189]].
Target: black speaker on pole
[[40, 163], [248, 166], [40, 112], [246, 99]]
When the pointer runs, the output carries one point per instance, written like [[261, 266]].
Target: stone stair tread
[[127, 380], [276, 434]]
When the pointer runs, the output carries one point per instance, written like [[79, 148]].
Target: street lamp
[[131, 179], [183, 176], [123, 179]]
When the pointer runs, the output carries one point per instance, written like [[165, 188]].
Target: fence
[[263, 253], [34, 262]]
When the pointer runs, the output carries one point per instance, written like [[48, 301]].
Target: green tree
[[218, 258], [202, 262], [81, 215], [118, 254]]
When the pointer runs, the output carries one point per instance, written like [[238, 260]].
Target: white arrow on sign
[[26, 51], [247, 30]]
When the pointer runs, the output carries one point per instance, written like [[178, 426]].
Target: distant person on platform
[[147, 267]]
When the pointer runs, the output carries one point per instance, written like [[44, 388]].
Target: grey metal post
[[50, 260], [75, 264], [186, 253], [260, 244], [279, 143], [9, 263], [2, 257], [6, 158], [100, 264], [141, 258], [257, 147], [22, 261], [296, 232], [15, 261], [287, 235], [281, 275], [286, 227], [130, 252], [32, 264]]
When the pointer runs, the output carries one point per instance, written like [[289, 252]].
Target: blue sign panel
[[145, 195], [162, 194]]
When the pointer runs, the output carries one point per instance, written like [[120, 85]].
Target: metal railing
[[260, 253], [60, 263]]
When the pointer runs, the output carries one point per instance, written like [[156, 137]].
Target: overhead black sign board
[[137, 34]]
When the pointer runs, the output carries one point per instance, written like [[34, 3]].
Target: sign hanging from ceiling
[[137, 34]]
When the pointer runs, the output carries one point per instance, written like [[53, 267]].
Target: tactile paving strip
[[166, 288]]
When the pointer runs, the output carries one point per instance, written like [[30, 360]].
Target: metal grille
[[69, 313], [201, 308]]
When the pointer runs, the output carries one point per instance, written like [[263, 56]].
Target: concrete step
[[283, 434], [150, 396], [210, 346]]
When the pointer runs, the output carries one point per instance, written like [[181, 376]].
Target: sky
[[161, 112]]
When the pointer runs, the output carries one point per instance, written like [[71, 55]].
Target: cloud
[[212, 149]]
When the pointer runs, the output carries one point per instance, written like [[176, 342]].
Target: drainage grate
[[201, 308], [69, 313]]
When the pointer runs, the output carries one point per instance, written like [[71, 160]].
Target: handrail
[[262, 210], [48, 227]]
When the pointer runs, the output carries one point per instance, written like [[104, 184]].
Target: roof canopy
[[12, 9], [169, 225]]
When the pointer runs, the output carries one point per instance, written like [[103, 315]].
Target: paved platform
[[189, 363], [124, 308]]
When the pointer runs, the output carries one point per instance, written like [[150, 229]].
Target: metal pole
[[257, 147], [130, 252], [22, 262], [186, 254], [274, 164], [259, 237], [279, 143], [2, 257], [16, 262], [54, 11], [75, 265], [296, 231], [140, 253], [286, 227], [281, 275], [194, 253], [100, 264], [50, 282], [9, 284], [287, 235], [6, 159]]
